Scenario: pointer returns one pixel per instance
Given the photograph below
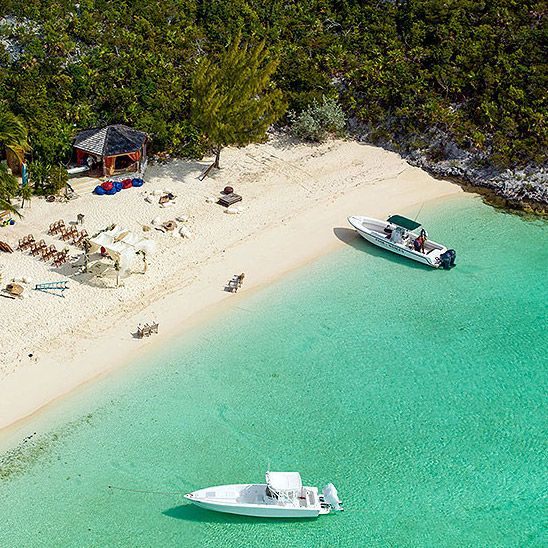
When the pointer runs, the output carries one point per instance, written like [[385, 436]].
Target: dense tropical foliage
[[13, 137], [474, 69]]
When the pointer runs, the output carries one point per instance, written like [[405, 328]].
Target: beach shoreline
[[264, 241]]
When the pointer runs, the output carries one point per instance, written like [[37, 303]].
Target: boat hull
[[253, 500], [362, 224], [257, 511]]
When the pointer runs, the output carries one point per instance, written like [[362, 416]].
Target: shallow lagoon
[[420, 394]]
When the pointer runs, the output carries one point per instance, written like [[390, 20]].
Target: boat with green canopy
[[397, 235]]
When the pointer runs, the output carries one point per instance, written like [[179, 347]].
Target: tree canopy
[[233, 99], [475, 69], [13, 136]]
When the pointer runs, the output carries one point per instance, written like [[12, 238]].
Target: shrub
[[317, 121], [47, 179]]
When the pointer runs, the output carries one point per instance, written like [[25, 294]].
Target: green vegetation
[[26, 195], [13, 137], [47, 179], [474, 69], [8, 189], [318, 121], [233, 101]]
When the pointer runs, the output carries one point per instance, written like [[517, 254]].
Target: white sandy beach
[[294, 195]]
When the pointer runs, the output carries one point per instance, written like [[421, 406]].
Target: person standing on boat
[[419, 242]]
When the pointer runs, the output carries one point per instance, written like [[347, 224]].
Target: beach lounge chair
[[5, 247]]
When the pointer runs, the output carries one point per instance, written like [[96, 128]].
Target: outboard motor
[[448, 259], [331, 496]]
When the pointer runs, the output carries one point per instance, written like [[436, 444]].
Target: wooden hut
[[116, 148]]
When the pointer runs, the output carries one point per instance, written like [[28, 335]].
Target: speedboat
[[396, 235], [282, 496]]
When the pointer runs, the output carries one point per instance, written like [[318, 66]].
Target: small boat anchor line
[[283, 496], [396, 235]]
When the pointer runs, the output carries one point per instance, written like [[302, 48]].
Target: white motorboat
[[282, 496], [396, 235]]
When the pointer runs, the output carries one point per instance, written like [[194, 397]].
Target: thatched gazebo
[[118, 148]]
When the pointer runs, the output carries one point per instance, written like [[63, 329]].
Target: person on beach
[[90, 161], [240, 281]]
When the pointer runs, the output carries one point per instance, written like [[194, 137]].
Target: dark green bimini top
[[403, 221]]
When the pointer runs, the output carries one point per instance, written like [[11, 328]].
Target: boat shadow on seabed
[[189, 512], [353, 239]]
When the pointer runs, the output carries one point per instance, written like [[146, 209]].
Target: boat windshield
[[398, 235]]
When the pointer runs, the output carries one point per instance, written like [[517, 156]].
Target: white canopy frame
[[122, 245], [286, 486]]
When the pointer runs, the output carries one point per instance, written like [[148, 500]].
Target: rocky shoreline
[[523, 189], [519, 189]]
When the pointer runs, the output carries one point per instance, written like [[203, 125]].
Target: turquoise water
[[421, 394]]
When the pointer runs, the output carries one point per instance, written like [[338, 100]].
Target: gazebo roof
[[110, 140]]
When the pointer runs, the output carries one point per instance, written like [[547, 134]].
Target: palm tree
[[13, 134], [26, 195], [13, 137], [8, 188]]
